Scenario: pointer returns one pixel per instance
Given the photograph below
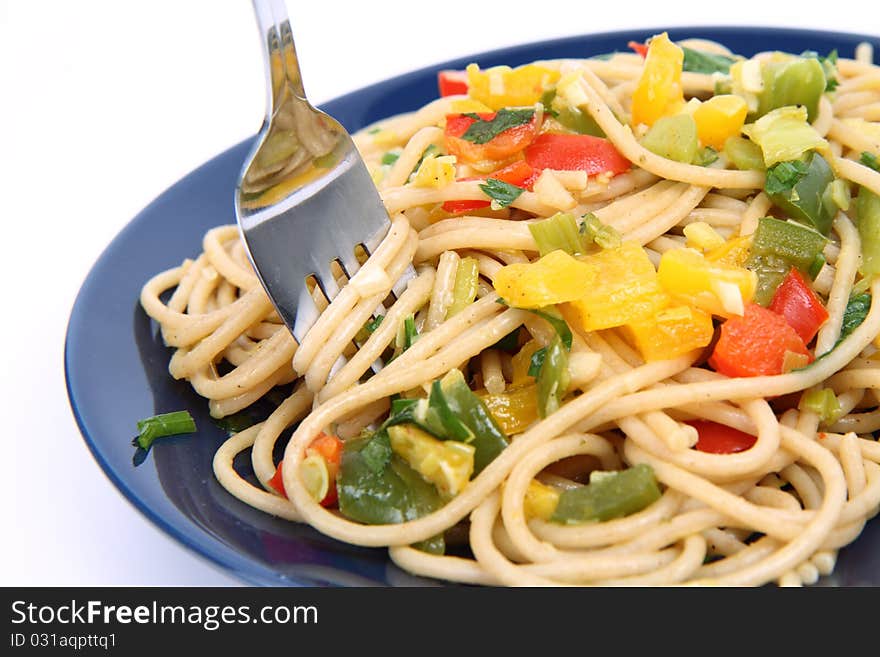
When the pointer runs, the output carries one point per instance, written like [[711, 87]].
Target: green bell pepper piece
[[552, 377], [777, 246], [613, 495], [572, 118], [795, 82], [377, 493]]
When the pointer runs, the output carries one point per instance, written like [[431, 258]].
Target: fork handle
[[279, 52]]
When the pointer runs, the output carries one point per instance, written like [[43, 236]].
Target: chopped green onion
[[602, 235], [464, 290], [745, 155], [613, 495], [824, 403], [553, 378], [557, 232], [868, 210], [160, 426], [784, 176], [390, 157], [706, 156]]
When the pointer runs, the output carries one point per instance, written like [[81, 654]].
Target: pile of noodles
[[779, 511]]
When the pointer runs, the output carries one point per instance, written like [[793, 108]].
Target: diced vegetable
[[744, 154], [602, 235], [553, 378], [870, 160], [802, 309], [515, 408], [824, 403], [625, 289], [521, 363], [720, 118], [671, 332], [447, 464], [383, 493], [801, 191], [559, 232], [673, 137], [540, 501], [703, 237], [716, 438], [659, 92], [640, 49], [777, 246], [715, 288], [613, 495], [784, 134], [792, 81], [464, 290], [734, 252], [502, 86], [436, 172], [868, 211], [755, 344], [163, 425], [568, 113], [490, 136], [318, 470], [562, 152], [452, 83], [554, 278]]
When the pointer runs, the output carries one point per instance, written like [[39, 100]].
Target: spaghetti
[[774, 509]]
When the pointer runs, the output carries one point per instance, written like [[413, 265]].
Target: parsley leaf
[[697, 61], [501, 192], [870, 160], [855, 313], [482, 131], [784, 176]]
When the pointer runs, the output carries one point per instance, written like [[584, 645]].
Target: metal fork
[[304, 197]]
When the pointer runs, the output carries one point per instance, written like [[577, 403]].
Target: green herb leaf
[[377, 453], [390, 157], [698, 61], [870, 160], [855, 313], [555, 319], [160, 426], [500, 192], [482, 132], [601, 234], [537, 361], [373, 324], [784, 176]]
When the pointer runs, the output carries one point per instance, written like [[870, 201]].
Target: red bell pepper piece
[[452, 83], [716, 438], [328, 448], [640, 48], [803, 310], [564, 152], [518, 173], [755, 344], [501, 147]]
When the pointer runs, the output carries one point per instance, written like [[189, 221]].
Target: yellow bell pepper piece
[[521, 361], [733, 252], [659, 92], [540, 501], [515, 408], [502, 86], [436, 172], [670, 332], [714, 287], [625, 289], [448, 464], [555, 278], [720, 118]]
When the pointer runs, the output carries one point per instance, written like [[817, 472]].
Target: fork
[[304, 198]]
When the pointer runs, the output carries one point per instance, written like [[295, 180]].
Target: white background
[[126, 97]]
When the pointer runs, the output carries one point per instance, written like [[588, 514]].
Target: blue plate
[[117, 367]]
